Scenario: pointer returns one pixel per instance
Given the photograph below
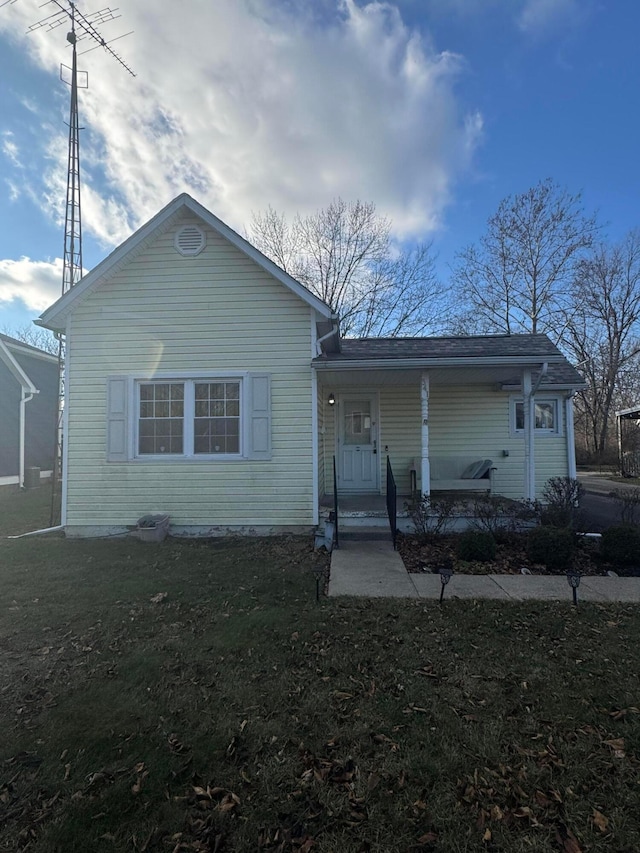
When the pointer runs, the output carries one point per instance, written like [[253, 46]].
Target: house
[[206, 383], [28, 409]]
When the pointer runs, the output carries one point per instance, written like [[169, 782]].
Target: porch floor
[[363, 504]]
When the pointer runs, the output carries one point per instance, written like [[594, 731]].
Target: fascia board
[[560, 386], [18, 373], [407, 363], [622, 412], [55, 316], [33, 353]]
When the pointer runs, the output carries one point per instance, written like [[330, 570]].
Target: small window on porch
[[546, 417]]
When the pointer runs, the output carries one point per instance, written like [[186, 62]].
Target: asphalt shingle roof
[[480, 347]]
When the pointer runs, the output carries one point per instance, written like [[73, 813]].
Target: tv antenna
[[82, 28]]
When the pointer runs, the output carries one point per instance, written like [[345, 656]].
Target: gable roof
[[22, 348], [55, 316], [471, 350], [14, 368]]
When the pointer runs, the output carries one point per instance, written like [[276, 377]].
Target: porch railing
[[392, 501], [335, 505]]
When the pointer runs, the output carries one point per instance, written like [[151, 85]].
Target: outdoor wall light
[[332, 399]]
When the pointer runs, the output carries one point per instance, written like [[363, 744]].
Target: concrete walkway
[[372, 569]]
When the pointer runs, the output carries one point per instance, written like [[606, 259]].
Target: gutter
[[405, 363]]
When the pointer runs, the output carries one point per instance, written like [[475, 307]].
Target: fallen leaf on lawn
[[136, 788], [427, 671], [487, 835], [600, 820], [617, 745], [567, 840], [176, 745], [428, 838], [158, 597], [622, 712], [373, 781]]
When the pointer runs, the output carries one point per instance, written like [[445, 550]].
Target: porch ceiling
[[466, 375]]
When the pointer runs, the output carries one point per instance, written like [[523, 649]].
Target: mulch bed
[[420, 555]]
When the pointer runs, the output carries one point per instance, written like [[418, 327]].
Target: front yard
[[192, 696]]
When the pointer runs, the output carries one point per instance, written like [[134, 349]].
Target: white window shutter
[[117, 433], [259, 416]]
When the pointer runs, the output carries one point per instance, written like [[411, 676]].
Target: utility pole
[[82, 27]]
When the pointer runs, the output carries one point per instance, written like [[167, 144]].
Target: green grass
[[236, 714]]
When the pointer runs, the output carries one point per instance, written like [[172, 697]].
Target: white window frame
[[189, 380], [557, 416]]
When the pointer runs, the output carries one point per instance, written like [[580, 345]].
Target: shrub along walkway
[[372, 569]]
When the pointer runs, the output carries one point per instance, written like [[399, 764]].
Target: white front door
[[358, 444]]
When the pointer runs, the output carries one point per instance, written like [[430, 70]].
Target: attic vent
[[190, 240]]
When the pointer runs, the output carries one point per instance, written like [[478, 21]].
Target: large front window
[[161, 423], [216, 426], [189, 418]]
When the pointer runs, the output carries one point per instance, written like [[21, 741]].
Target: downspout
[[25, 397], [324, 338], [571, 444], [529, 407], [425, 466]]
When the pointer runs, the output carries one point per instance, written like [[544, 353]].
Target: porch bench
[[456, 473]]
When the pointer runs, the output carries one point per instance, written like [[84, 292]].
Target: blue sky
[[433, 109]]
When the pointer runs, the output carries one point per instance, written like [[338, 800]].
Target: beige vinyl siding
[[400, 433], [212, 313]]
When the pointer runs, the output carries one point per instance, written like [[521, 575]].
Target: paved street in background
[[598, 507]]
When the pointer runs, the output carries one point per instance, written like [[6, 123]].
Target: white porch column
[[571, 444], [425, 468], [529, 433]]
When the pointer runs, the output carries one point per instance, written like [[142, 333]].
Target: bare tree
[[603, 332], [345, 255], [34, 336], [520, 273]]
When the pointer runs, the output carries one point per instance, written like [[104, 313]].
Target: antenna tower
[[82, 27]]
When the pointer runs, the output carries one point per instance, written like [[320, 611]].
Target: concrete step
[[365, 533]]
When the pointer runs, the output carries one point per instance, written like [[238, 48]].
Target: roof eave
[[555, 386], [408, 363], [14, 368]]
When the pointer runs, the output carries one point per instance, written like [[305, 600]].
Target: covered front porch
[[440, 431]]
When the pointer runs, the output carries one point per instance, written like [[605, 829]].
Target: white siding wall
[[165, 312]]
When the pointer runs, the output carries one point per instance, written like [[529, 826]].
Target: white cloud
[[538, 17], [245, 104], [10, 149], [35, 284]]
